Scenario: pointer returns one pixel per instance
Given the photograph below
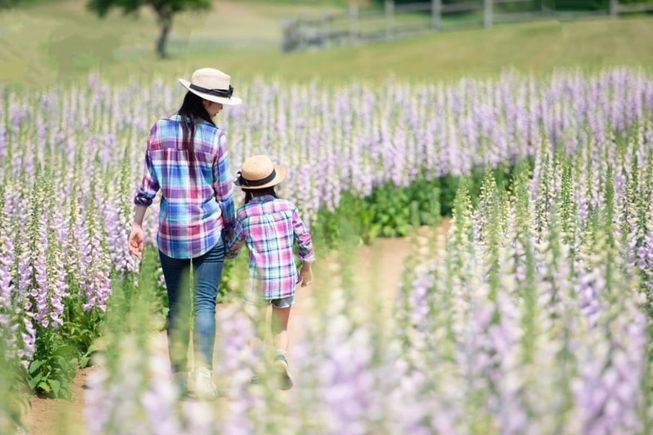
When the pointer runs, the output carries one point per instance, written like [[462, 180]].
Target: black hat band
[[216, 92], [242, 181]]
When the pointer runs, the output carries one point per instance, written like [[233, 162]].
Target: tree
[[6, 4], [164, 10]]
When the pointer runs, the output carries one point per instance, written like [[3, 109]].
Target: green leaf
[[44, 386], [34, 366], [83, 361], [61, 361], [33, 382], [56, 386]]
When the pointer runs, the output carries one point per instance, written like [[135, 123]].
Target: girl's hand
[[136, 239], [305, 275]]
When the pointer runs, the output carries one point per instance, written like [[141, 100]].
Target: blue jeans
[[207, 270]]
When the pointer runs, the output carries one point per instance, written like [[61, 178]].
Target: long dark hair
[[253, 193], [191, 111]]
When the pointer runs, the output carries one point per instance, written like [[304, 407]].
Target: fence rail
[[396, 20], [635, 7]]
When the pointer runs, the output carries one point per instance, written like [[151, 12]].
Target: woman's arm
[[236, 241], [223, 185], [137, 237], [143, 199]]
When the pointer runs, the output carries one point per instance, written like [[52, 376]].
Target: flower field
[[533, 316]]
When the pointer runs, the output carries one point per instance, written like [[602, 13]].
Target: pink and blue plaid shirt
[[270, 226], [197, 200]]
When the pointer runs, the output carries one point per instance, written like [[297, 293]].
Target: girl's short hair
[[253, 193]]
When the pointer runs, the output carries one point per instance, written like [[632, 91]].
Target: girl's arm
[[305, 275], [305, 244], [303, 237]]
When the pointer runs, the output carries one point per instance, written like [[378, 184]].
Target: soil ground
[[377, 271]]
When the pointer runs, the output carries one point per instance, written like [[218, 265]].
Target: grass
[[46, 43]]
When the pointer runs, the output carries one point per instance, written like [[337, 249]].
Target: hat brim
[[281, 175], [233, 101]]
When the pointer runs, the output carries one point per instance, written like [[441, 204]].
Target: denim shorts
[[279, 303], [283, 302]]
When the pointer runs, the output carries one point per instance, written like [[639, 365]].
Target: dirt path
[[51, 416], [376, 270]]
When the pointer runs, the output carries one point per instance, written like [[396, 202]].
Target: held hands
[[305, 275], [136, 239]]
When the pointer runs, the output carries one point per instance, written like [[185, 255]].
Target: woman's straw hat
[[213, 85], [259, 172]]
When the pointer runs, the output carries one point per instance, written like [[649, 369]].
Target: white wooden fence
[[395, 20]]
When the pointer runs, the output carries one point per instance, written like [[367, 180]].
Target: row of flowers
[[532, 315], [71, 158]]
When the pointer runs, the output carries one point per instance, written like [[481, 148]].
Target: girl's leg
[[175, 272], [256, 309], [279, 327], [207, 273]]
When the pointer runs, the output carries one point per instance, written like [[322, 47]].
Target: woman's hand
[[136, 239], [305, 275]]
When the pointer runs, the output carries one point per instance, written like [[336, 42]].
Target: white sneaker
[[281, 365], [201, 385]]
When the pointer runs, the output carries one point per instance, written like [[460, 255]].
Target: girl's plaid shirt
[[270, 226], [197, 200]]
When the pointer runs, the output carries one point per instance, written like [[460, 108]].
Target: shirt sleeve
[[303, 238], [222, 184], [149, 184], [236, 241]]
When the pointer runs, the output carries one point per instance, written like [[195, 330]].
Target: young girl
[[269, 226]]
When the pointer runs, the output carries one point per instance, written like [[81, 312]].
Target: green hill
[[61, 41]]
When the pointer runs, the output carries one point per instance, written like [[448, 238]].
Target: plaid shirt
[[197, 200], [269, 226]]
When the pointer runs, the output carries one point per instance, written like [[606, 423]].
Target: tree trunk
[[165, 24]]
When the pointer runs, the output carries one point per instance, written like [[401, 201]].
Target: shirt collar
[[264, 198], [177, 117]]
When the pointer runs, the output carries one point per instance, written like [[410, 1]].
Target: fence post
[[289, 41], [301, 30], [324, 40], [614, 8], [389, 14], [353, 21], [436, 13], [285, 32], [487, 13]]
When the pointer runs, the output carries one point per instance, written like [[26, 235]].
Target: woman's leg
[[175, 272], [207, 273]]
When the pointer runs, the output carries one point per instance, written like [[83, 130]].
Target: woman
[[186, 158]]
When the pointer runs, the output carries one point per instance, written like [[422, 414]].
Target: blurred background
[[49, 41], [310, 45]]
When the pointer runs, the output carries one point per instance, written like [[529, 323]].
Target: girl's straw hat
[[259, 172], [213, 85]]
